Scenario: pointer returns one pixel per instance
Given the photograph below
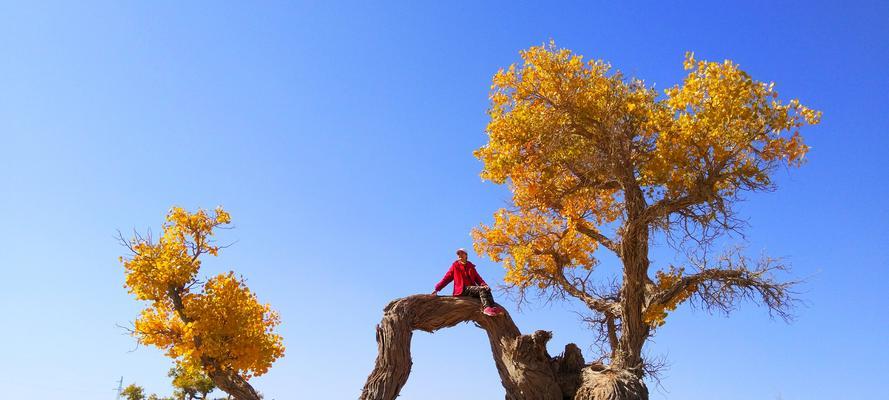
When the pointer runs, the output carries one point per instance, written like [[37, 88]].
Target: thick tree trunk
[[634, 330], [634, 255], [234, 384], [527, 372]]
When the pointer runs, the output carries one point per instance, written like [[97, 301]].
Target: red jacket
[[463, 275]]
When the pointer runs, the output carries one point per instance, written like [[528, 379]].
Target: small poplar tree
[[216, 328], [190, 384], [133, 392]]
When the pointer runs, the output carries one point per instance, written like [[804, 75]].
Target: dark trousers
[[482, 292]]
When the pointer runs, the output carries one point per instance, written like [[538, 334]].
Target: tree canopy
[[133, 392], [595, 160]]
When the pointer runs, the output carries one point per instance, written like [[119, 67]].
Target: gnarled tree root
[[611, 385], [527, 372]]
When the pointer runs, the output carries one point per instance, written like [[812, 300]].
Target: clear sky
[[339, 136]]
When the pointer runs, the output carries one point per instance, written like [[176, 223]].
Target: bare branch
[[731, 280], [577, 288], [606, 329], [128, 243], [706, 208], [663, 208], [653, 368]]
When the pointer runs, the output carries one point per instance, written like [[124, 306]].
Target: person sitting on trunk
[[468, 283]]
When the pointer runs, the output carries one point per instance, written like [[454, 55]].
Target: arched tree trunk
[[527, 372]]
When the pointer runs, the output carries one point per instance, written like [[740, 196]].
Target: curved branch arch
[[526, 369]]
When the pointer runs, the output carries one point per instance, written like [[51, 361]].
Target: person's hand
[[435, 292]]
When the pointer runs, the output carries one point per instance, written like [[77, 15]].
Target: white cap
[[462, 249]]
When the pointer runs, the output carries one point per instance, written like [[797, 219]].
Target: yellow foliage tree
[[190, 384], [597, 160], [220, 330]]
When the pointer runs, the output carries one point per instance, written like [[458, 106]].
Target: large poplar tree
[[597, 161]]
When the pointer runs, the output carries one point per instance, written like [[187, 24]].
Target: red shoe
[[492, 311]]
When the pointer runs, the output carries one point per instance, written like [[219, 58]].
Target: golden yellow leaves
[[533, 247], [173, 260], [197, 227], [689, 62], [223, 324], [190, 380], [569, 136], [235, 329], [157, 266], [160, 327], [656, 314], [728, 125]]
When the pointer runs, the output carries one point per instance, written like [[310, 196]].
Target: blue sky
[[339, 136]]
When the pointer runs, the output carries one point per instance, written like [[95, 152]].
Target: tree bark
[[234, 385], [634, 256], [611, 384], [634, 330], [527, 372]]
